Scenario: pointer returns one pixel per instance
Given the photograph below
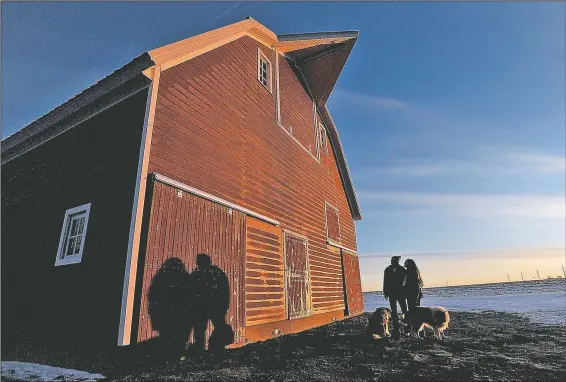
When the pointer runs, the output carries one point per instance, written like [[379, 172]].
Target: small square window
[[72, 240], [264, 70]]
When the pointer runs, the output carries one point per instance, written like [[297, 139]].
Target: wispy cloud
[[227, 11], [363, 100], [466, 146], [425, 168], [419, 125], [537, 161], [479, 206], [371, 101], [487, 161]]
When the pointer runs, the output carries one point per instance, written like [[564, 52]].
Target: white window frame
[[322, 137], [277, 90], [262, 57], [61, 259]]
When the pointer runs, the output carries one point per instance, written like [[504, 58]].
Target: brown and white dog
[[435, 317], [378, 326]]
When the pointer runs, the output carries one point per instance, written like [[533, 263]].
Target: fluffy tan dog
[[420, 317], [378, 326]]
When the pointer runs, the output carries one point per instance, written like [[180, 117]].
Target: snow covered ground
[[24, 371], [541, 301]]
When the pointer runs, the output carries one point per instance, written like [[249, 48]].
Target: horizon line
[[559, 277], [448, 252]]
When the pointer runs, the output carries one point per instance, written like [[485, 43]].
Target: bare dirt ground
[[479, 346]]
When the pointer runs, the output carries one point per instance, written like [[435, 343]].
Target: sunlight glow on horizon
[[470, 268]]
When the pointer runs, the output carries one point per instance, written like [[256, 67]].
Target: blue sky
[[452, 115]]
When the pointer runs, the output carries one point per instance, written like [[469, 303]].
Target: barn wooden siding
[[94, 162], [265, 289], [353, 284], [182, 226], [215, 130]]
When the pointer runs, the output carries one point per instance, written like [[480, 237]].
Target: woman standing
[[412, 284]]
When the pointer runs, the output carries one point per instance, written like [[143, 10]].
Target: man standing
[[393, 290]]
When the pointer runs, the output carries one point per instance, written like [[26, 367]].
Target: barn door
[[182, 226], [297, 277], [353, 296]]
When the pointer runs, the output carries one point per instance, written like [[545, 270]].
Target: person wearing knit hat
[[393, 290]]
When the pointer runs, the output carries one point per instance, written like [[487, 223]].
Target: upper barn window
[[322, 141], [72, 240], [263, 70], [332, 223]]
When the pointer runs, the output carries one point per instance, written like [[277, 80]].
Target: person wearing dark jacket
[[412, 284], [393, 290]]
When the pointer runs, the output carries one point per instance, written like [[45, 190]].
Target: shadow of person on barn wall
[[170, 310], [180, 302], [211, 299]]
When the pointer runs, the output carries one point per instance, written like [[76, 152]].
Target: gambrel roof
[[320, 58]]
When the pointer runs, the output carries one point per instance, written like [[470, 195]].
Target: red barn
[[219, 144]]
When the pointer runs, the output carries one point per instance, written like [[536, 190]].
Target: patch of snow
[[542, 301], [25, 371]]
